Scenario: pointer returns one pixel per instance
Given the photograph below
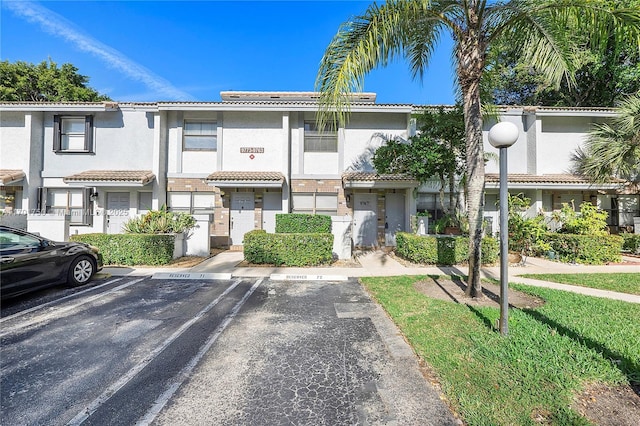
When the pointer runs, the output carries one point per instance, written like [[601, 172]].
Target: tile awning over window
[[246, 179], [9, 176], [375, 180], [111, 178], [526, 181]]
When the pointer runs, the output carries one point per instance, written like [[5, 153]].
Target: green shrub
[[631, 243], [160, 222], [442, 250], [291, 223], [131, 249], [587, 249], [590, 220], [300, 249]]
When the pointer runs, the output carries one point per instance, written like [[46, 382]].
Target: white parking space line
[[53, 302], [55, 313], [111, 390], [186, 371]]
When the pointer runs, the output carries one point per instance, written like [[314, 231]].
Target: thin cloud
[[56, 25]]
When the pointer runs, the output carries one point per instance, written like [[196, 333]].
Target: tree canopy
[[603, 77], [45, 82]]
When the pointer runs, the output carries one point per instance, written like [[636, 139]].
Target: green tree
[[438, 150], [44, 82], [602, 77], [537, 29], [612, 150]]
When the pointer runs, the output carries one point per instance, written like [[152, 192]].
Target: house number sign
[[251, 150]]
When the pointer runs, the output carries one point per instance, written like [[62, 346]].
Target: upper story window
[[200, 135], [316, 140], [73, 133]]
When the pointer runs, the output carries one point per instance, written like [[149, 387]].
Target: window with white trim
[[73, 202], [145, 201], [320, 140], [191, 202], [73, 134], [200, 135], [315, 203]]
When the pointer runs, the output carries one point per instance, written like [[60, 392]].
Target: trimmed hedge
[[131, 249], [587, 249], [631, 243], [292, 223], [300, 249], [452, 250]]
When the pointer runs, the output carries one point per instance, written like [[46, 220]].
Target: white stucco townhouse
[[237, 163]]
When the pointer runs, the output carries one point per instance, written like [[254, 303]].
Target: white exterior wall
[[253, 130], [123, 140], [517, 155], [367, 132], [557, 140]]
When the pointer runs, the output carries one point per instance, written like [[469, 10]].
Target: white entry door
[[395, 219], [117, 211], [272, 205], [365, 220], [242, 216]]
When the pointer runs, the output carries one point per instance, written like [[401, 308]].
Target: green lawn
[[550, 353], [621, 282]]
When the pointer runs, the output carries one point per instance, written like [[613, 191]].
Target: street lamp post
[[502, 136]]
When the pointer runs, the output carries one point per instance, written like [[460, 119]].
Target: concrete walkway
[[378, 263]]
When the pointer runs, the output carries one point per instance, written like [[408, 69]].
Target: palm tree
[[412, 29], [612, 150]]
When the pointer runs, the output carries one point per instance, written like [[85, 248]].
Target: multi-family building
[[237, 163]]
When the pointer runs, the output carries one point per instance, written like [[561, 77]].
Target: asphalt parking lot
[[244, 351]]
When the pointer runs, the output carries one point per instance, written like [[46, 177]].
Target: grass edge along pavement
[[622, 282], [532, 375]]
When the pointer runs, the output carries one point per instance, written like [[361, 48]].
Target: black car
[[29, 262]]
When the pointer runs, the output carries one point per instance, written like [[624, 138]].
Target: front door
[[242, 216], [272, 205], [394, 219], [365, 220], [117, 211]]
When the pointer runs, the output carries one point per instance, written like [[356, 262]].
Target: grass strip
[[620, 282], [530, 375]]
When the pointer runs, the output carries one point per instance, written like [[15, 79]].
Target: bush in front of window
[[299, 249], [586, 249], [631, 243], [432, 250], [160, 222], [288, 223], [131, 249]]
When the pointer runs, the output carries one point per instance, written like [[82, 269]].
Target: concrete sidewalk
[[379, 263]]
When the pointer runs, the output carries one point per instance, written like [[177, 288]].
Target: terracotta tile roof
[[373, 176], [134, 176], [10, 175], [246, 176], [550, 178]]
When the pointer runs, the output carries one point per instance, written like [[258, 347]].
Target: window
[[200, 136], [320, 140], [315, 203], [73, 134], [74, 202], [191, 202], [145, 201]]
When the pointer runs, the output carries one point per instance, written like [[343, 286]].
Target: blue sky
[[193, 50]]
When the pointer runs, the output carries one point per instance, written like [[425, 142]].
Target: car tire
[[81, 270]]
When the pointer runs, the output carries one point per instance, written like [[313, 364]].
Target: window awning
[[111, 178], [246, 179], [367, 180], [10, 176]]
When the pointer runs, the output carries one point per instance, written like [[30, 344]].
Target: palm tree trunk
[[470, 65]]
